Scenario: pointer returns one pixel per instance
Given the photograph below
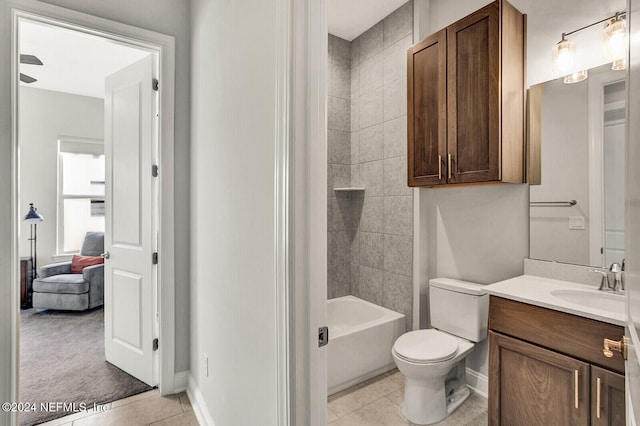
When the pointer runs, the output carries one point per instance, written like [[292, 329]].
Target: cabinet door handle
[[449, 166], [439, 167], [575, 380], [598, 397]]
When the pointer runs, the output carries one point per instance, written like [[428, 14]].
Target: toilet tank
[[459, 307]]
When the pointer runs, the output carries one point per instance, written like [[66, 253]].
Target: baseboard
[[478, 383], [181, 381], [197, 402]]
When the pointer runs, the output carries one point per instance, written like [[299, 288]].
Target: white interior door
[[129, 227], [633, 217]]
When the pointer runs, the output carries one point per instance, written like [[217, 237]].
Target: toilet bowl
[[433, 360]]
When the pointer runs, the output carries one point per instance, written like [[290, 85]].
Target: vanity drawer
[[569, 334]]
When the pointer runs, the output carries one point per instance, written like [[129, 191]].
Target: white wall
[[44, 117], [233, 297], [473, 233], [165, 16], [565, 175]]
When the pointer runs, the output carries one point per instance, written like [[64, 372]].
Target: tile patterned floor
[[377, 402], [147, 408]]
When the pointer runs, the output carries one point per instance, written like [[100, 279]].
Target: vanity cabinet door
[[607, 398], [473, 97], [532, 386], [427, 111]]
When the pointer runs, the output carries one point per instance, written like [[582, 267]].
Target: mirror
[[577, 211]]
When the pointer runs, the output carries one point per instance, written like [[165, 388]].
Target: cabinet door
[[427, 110], [473, 96], [529, 385], [607, 398]]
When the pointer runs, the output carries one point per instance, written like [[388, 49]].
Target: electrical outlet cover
[[576, 222]]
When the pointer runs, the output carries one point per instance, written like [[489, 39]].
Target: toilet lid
[[426, 346]]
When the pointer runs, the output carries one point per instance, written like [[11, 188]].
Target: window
[[81, 189]]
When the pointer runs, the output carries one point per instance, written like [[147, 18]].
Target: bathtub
[[361, 336]]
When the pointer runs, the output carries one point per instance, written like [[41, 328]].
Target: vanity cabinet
[[547, 367], [607, 397], [466, 101]]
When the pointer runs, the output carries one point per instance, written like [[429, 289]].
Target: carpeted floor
[[62, 360]]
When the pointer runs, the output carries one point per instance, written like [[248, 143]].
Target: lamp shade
[[563, 56], [32, 216], [576, 77], [615, 39]]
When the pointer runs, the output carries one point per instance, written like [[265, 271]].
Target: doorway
[[65, 84], [162, 47], [606, 165]]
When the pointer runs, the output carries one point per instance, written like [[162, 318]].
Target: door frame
[[164, 46], [308, 201], [595, 104]]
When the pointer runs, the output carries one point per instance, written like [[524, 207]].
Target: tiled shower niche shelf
[[349, 189]]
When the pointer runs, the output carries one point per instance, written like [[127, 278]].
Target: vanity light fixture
[[615, 40], [576, 77], [619, 65], [563, 55]]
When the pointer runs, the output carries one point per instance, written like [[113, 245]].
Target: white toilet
[[433, 360]]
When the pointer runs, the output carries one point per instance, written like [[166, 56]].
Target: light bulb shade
[[615, 39], [576, 77], [563, 56], [619, 65], [32, 216]]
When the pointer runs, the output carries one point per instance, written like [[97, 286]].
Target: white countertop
[[537, 291]]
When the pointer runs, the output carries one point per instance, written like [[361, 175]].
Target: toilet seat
[[426, 346]]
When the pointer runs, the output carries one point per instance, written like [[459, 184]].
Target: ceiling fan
[[29, 60]]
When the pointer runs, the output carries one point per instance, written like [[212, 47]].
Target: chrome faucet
[[617, 272], [604, 282]]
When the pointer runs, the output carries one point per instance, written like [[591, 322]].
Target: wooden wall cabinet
[[466, 101], [541, 375]]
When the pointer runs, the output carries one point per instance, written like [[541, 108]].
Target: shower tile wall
[[341, 219], [382, 262], [370, 235]]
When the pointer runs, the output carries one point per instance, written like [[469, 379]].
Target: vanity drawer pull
[[439, 167], [598, 397], [575, 379]]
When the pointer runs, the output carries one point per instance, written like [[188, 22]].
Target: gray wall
[[370, 240], [44, 117], [342, 216], [165, 16]]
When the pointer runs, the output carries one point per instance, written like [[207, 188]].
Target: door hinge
[[155, 84], [154, 170], [154, 258], [323, 336], [155, 344]]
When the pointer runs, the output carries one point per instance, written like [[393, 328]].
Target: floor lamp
[[32, 218]]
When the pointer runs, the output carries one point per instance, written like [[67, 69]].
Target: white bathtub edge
[[478, 383], [361, 379]]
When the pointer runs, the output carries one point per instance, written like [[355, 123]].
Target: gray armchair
[[58, 288]]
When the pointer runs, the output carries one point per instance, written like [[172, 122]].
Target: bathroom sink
[[592, 299]]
